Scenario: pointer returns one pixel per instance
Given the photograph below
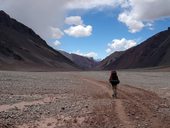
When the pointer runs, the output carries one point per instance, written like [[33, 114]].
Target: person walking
[[114, 80]]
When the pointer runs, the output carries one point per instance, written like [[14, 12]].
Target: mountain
[[109, 59], [154, 52], [82, 61], [22, 49]]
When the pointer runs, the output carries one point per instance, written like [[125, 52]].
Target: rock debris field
[[84, 100]]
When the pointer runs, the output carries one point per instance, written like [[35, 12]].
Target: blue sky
[[91, 28], [106, 28]]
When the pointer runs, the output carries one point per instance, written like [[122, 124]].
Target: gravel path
[[83, 99]]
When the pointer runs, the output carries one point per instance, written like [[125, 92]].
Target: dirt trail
[[134, 107], [122, 115], [139, 102], [119, 108]]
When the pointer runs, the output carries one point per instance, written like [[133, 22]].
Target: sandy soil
[[84, 99]]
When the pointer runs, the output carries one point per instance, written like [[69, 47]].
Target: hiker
[[114, 80]]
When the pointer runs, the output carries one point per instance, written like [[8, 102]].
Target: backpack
[[114, 82]]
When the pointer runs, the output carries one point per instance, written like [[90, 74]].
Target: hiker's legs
[[115, 91], [114, 87]]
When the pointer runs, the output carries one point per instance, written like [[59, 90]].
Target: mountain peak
[[4, 16], [2, 12], [168, 28]]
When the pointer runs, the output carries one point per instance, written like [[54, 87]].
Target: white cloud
[[137, 13], [150, 25], [120, 45], [89, 54], [79, 31], [133, 24], [150, 9], [56, 33], [90, 4], [74, 20], [108, 50], [57, 43]]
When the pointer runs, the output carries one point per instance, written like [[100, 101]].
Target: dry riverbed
[[84, 99]]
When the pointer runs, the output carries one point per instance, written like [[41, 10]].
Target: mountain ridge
[[22, 49]]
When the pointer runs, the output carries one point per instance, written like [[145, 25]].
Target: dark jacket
[[114, 80]]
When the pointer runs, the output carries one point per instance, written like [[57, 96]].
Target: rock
[[146, 124], [49, 124], [75, 121], [138, 125], [63, 108], [137, 117]]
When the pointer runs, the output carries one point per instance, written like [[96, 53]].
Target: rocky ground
[[84, 99]]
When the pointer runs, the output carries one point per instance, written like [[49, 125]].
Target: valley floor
[[84, 100]]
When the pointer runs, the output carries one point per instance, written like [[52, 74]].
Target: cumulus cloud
[[79, 31], [133, 24], [57, 43], [120, 45], [56, 33], [89, 54], [73, 20], [138, 13]]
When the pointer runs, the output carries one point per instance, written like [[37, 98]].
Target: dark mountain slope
[[153, 52], [22, 49]]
